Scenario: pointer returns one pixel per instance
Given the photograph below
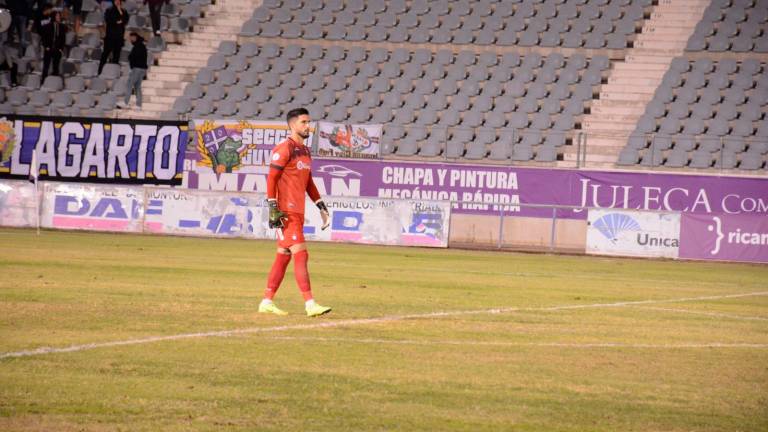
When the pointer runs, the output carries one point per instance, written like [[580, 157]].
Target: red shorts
[[292, 231]]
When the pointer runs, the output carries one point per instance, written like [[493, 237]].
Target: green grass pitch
[[527, 342]]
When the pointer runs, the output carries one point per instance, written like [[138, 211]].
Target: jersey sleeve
[[280, 157]]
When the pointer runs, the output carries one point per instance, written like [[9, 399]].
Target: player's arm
[[314, 195], [279, 159]]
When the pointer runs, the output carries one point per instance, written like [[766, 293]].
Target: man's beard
[[304, 135]]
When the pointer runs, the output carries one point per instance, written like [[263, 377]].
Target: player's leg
[[301, 272], [276, 275]]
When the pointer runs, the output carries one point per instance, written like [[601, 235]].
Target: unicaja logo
[[613, 224], [718, 228]]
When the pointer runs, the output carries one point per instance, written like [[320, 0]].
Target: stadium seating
[[705, 114], [80, 61], [732, 25], [433, 104], [548, 23]]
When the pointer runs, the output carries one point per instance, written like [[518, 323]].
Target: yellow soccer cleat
[[317, 310], [271, 308]]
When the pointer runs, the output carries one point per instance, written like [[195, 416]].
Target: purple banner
[[724, 237], [487, 189]]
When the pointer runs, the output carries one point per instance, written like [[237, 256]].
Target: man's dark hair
[[292, 114]]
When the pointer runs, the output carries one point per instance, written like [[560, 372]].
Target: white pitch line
[[351, 322], [705, 313], [520, 344]]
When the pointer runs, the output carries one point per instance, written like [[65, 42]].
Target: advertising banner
[[92, 207], [381, 221], [236, 146], [17, 203], [633, 233], [491, 189], [206, 214], [110, 150], [348, 140], [724, 237]]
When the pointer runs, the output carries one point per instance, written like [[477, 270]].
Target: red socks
[[276, 275], [302, 274], [278, 272]]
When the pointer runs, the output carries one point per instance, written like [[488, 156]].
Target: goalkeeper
[[290, 177]]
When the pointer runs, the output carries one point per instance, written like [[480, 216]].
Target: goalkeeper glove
[[275, 215], [323, 214]]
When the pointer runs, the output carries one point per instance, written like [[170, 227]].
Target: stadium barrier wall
[[137, 209], [158, 210]]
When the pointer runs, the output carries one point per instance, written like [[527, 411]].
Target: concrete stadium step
[[641, 67], [675, 16], [225, 27], [664, 31], [162, 94], [605, 159], [163, 85], [170, 77], [623, 110], [648, 59], [634, 81], [624, 96], [594, 124], [660, 43], [606, 141], [603, 150], [202, 54], [182, 63], [615, 104]]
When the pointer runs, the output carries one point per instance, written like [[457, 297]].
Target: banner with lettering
[[633, 233], [492, 189], [236, 146], [92, 207], [90, 149], [348, 140]]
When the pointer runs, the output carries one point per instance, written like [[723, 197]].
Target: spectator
[[53, 37], [115, 20], [138, 61], [20, 13], [77, 12], [7, 60], [42, 17], [155, 6]]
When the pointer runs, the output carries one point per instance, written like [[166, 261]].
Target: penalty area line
[[352, 322]]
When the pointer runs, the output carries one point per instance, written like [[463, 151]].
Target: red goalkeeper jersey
[[292, 166]]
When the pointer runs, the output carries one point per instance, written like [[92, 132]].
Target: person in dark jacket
[[115, 20], [53, 39], [155, 6], [20, 13], [138, 61]]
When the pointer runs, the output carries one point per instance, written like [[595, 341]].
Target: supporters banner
[[236, 146], [92, 207], [107, 150], [348, 140], [494, 189], [724, 237], [17, 203], [633, 233]]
